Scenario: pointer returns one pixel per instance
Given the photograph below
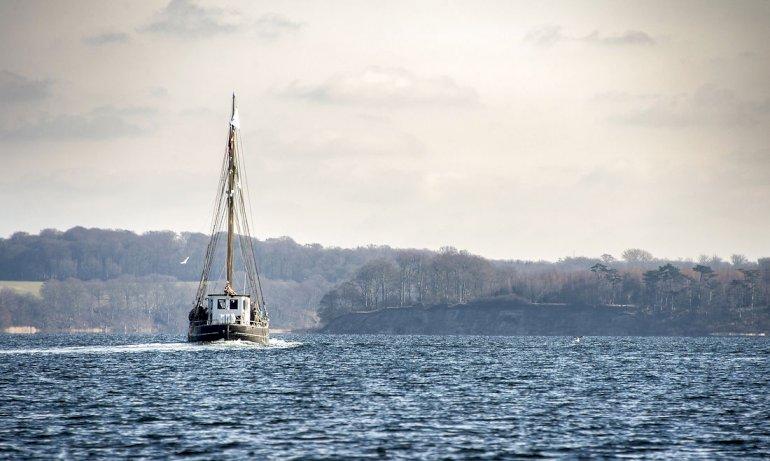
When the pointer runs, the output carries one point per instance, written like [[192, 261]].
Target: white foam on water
[[275, 343]]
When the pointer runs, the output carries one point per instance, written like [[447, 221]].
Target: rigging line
[[244, 228], [211, 247], [242, 157], [216, 209], [256, 268], [250, 246], [218, 196], [216, 216], [219, 184], [212, 229], [210, 254], [247, 229], [248, 271], [216, 221], [239, 155], [244, 259], [221, 271], [256, 280], [247, 262]]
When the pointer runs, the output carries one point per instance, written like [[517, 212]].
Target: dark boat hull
[[229, 332]]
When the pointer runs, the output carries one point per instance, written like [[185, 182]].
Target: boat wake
[[155, 347]]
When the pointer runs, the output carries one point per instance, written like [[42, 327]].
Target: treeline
[[125, 304], [709, 285], [142, 304], [90, 254], [306, 282], [412, 277]]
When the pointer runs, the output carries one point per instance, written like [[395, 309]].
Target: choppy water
[[332, 397]]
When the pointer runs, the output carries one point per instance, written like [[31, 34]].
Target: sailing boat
[[230, 315]]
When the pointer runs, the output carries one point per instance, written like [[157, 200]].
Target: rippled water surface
[[312, 396]]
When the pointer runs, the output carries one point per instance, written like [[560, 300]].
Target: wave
[[275, 343]]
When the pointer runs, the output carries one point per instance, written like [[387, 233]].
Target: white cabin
[[224, 309]]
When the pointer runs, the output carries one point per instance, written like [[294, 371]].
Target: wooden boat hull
[[229, 332]]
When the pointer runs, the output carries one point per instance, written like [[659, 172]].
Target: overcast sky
[[511, 129]]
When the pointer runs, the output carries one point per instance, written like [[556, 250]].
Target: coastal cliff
[[510, 316]]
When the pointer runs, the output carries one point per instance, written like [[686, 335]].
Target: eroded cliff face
[[509, 316]]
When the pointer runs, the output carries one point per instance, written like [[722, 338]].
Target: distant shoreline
[[505, 316]]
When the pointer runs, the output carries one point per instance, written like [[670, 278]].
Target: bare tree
[[637, 256], [738, 260]]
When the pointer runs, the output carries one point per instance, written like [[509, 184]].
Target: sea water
[[316, 396]]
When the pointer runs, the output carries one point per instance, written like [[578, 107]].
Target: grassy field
[[32, 288]]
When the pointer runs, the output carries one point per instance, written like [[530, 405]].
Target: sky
[[514, 130]]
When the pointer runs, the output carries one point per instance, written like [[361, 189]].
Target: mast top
[[235, 121]]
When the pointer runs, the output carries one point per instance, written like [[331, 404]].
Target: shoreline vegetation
[[85, 280]]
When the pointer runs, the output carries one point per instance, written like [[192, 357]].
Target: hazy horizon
[[509, 129]]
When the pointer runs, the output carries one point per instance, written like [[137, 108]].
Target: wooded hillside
[[97, 278], [88, 254], [419, 278]]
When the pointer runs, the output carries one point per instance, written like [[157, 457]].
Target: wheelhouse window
[[233, 304], [221, 304]]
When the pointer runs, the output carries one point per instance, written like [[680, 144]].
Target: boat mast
[[230, 199]]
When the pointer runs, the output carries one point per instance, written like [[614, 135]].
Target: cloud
[[545, 35], [16, 88], [105, 122], [198, 111], [746, 169], [158, 92], [386, 144], [369, 167], [273, 25], [620, 97], [385, 86], [549, 35], [629, 37], [107, 38], [708, 105], [185, 18]]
